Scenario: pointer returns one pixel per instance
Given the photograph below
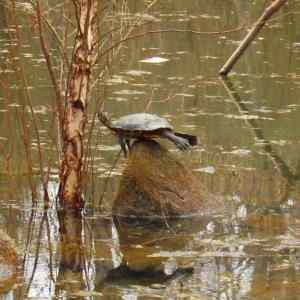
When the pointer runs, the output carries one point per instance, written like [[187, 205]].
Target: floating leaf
[[241, 152], [154, 60], [138, 73], [129, 92], [208, 169]]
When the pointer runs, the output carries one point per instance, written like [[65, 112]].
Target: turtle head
[[104, 118]]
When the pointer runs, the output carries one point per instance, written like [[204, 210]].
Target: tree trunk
[[74, 120]]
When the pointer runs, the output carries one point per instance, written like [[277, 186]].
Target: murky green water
[[248, 157]]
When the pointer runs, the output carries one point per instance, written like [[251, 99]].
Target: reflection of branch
[[31, 224], [50, 249], [258, 133], [37, 252]]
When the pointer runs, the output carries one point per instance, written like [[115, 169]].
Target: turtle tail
[[193, 141]]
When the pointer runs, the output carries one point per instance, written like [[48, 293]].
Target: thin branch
[[269, 11], [59, 42], [54, 33], [133, 26], [102, 37], [48, 60]]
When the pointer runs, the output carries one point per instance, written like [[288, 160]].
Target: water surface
[[248, 156]]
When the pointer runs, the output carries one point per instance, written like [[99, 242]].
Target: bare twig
[[37, 251]]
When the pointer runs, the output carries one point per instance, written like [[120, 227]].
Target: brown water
[[248, 157]]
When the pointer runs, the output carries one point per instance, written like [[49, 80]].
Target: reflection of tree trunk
[[70, 222], [71, 249], [74, 120]]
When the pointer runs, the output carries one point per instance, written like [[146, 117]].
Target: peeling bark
[[84, 56]]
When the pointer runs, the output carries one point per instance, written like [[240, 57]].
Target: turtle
[[145, 126]]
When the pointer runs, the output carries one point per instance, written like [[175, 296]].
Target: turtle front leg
[[127, 141], [122, 143]]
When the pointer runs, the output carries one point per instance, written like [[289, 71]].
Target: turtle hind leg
[[193, 140], [180, 142]]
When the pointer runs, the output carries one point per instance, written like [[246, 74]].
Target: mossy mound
[[155, 185]]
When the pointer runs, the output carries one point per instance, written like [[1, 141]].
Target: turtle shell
[[141, 122]]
